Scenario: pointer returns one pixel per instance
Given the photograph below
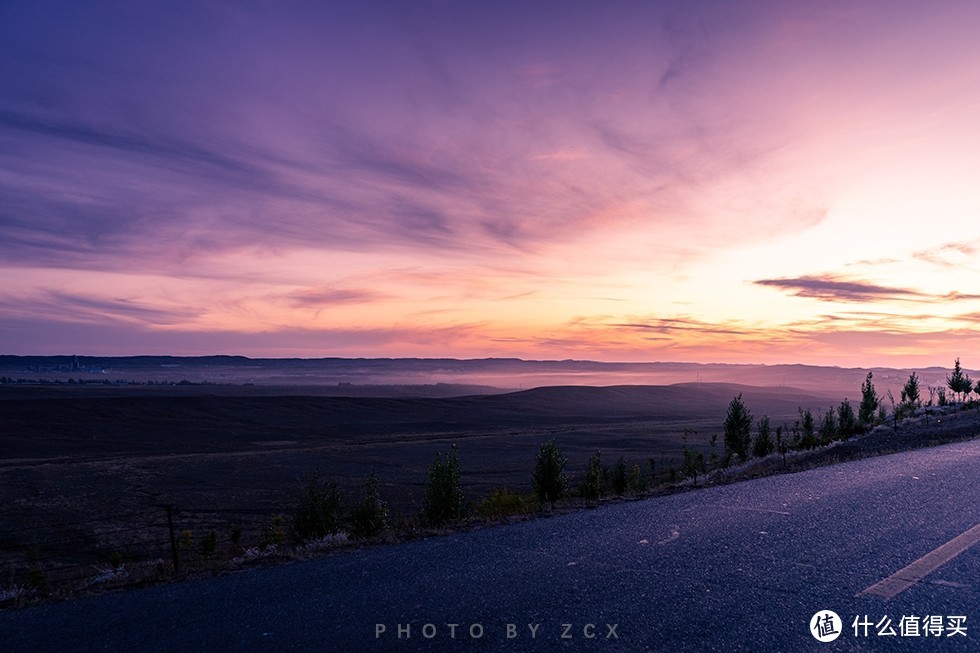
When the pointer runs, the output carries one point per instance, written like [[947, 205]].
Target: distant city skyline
[[745, 182]]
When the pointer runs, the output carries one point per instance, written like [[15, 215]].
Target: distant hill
[[677, 401], [500, 373]]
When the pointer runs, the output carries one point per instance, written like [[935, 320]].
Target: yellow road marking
[[908, 576]]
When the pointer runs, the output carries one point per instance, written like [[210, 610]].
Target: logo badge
[[826, 626]]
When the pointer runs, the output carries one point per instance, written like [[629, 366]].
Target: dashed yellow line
[[908, 576]]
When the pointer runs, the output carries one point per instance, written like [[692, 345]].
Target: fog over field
[[493, 374]]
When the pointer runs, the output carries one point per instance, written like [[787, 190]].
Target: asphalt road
[[742, 567]]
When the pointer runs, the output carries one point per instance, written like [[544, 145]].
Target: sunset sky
[[619, 181]]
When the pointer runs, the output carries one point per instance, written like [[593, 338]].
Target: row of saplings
[[320, 511], [837, 423]]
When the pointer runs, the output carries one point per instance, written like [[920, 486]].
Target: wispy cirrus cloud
[[951, 255], [325, 297], [411, 146], [564, 154], [667, 326], [51, 335], [73, 308], [190, 158]]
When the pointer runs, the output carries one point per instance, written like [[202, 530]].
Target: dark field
[[172, 443], [85, 471]]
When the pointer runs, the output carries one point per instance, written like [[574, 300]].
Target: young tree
[[693, 463], [619, 479], [637, 483], [763, 440], [318, 511], [958, 382], [869, 401], [895, 409], [828, 427], [209, 545], [592, 486], [738, 428], [910, 395], [781, 444], [847, 423], [444, 501], [370, 516], [549, 479], [808, 438]]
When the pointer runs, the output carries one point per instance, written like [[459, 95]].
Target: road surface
[[887, 541]]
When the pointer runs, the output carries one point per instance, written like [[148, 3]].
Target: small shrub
[[828, 427], [693, 463], [370, 516], [252, 554], [318, 512], [592, 487], [636, 482], [13, 593], [781, 445], [910, 395], [763, 445], [503, 502], [186, 539], [444, 501], [107, 573], [236, 534], [806, 437], [619, 478], [274, 532], [795, 440], [847, 422], [325, 543], [548, 478], [209, 545], [35, 576]]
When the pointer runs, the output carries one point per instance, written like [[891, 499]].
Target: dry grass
[[106, 500]]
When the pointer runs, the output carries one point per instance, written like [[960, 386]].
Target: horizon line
[[465, 360]]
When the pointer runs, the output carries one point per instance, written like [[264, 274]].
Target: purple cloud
[[829, 288]]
